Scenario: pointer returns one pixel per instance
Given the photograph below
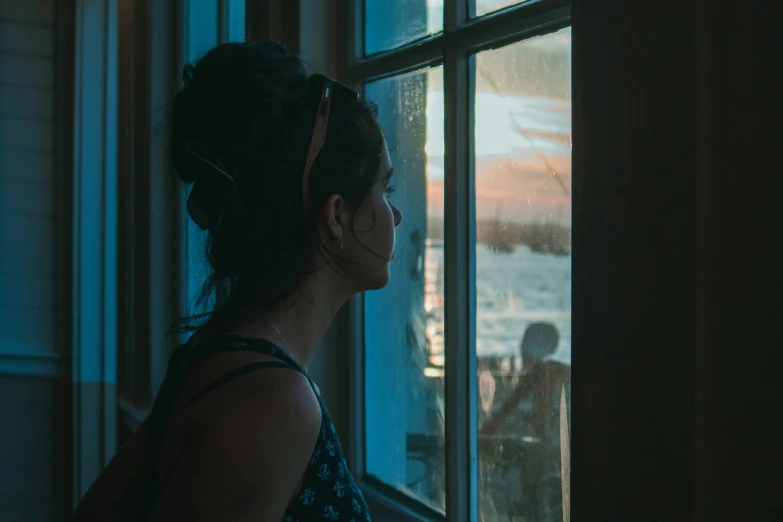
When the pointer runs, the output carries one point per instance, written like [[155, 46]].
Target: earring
[[339, 245]]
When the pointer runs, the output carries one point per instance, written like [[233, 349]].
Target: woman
[[291, 177]]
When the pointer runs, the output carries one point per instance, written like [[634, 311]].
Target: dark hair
[[250, 108]]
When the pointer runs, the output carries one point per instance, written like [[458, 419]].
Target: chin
[[379, 281]]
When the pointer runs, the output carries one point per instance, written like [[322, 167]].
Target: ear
[[333, 217]]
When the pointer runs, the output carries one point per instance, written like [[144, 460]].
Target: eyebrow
[[389, 174]]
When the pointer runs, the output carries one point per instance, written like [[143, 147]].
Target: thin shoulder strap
[[233, 374], [265, 347]]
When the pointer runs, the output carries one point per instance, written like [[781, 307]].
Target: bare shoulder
[[249, 461]]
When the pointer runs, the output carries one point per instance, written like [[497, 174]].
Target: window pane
[[202, 27], [404, 321], [390, 24], [490, 6], [523, 276], [236, 20]]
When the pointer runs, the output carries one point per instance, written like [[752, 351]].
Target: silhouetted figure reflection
[[523, 433], [539, 341]]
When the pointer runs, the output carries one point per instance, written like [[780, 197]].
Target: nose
[[397, 216]]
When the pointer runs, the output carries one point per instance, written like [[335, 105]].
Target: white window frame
[[454, 48]]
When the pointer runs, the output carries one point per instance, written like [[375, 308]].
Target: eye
[[390, 191]]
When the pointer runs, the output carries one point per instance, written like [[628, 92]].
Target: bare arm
[[113, 495], [250, 464]]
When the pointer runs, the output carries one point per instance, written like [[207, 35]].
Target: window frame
[[454, 48]]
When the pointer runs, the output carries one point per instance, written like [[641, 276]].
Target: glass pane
[[202, 27], [390, 24], [490, 6], [403, 323], [523, 277], [236, 20]]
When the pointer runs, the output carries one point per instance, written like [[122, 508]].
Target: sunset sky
[[522, 134], [520, 141]]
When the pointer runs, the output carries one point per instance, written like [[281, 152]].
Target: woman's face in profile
[[370, 247]]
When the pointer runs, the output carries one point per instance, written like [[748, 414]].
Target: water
[[513, 290]]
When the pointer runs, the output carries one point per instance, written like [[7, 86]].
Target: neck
[[301, 322]]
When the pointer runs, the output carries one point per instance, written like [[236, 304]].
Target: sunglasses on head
[[330, 88]]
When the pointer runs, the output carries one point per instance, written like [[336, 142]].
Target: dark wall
[[677, 275]]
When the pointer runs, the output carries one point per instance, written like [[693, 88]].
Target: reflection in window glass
[[389, 24], [404, 346], [490, 6], [523, 277]]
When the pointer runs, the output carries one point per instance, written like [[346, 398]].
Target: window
[[466, 354], [233, 20]]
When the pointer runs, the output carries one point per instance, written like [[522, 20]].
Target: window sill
[[385, 508]]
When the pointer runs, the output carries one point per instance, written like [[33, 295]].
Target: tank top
[[328, 491]]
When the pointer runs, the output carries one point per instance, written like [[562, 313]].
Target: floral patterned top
[[328, 491]]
